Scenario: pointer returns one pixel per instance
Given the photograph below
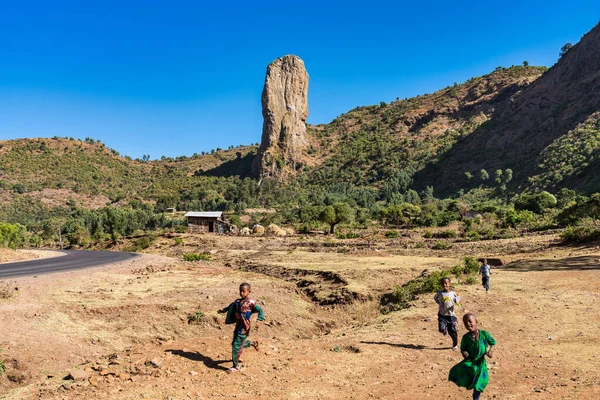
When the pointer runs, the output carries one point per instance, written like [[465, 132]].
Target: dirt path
[[127, 325]]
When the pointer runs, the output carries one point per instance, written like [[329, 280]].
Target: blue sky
[[178, 77]]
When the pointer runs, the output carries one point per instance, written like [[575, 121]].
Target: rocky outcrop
[[285, 110]]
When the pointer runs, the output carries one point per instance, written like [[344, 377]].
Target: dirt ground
[[125, 328]]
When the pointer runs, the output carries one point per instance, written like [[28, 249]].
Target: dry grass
[[7, 290]]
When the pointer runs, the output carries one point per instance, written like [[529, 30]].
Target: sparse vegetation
[[196, 257], [195, 318]]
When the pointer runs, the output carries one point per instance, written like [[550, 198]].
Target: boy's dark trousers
[[485, 282], [447, 325]]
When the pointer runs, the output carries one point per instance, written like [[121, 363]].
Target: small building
[[205, 221]]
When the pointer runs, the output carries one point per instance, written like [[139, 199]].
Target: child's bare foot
[[454, 348], [255, 345], [232, 370]]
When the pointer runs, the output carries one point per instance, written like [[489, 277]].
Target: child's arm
[[259, 310], [457, 300], [436, 298], [224, 310], [463, 347], [490, 341]]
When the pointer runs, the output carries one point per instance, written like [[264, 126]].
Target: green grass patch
[[196, 257]]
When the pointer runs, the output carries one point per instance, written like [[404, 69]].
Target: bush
[[473, 236], [427, 234], [403, 295], [178, 241], [537, 202], [196, 257], [457, 270], [471, 265], [349, 235], [12, 236], [449, 233], [586, 230], [195, 318], [470, 280], [391, 234], [439, 245]]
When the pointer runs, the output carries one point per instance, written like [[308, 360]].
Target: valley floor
[[126, 326]]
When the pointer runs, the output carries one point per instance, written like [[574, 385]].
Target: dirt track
[[127, 325]]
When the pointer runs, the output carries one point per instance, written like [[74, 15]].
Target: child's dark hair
[[445, 278], [467, 316], [245, 285]]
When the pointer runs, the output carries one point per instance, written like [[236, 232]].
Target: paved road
[[74, 259]]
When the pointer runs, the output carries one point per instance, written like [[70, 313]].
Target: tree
[[507, 176], [498, 176], [483, 175], [469, 176], [337, 214], [565, 49], [537, 202], [526, 63]]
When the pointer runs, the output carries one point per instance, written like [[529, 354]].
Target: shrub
[[473, 236], [439, 245], [456, 270], [403, 295], [348, 235], [304, 229], [178, 241], [195, 318], [585, 230], [427, 234], [537, 202], [471, 265], [181, 229], [449, 233], [391, 234], [196, 257], [470, 280]]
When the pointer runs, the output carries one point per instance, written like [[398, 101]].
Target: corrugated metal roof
[[205, 214]]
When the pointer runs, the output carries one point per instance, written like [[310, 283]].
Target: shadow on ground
[[580, 263], [195, 356], [409, 346]]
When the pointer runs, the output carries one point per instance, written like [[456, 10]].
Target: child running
[[447, 299], [485, 271], [240, 312], [472, 372]]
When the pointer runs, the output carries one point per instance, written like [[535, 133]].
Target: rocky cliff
[[285, 110]]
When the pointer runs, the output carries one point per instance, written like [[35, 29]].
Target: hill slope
[[374, 144], [524, 132]]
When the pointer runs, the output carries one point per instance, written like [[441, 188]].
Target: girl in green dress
[[472, 372]]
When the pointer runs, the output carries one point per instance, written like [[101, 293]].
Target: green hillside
[[375, 144]]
